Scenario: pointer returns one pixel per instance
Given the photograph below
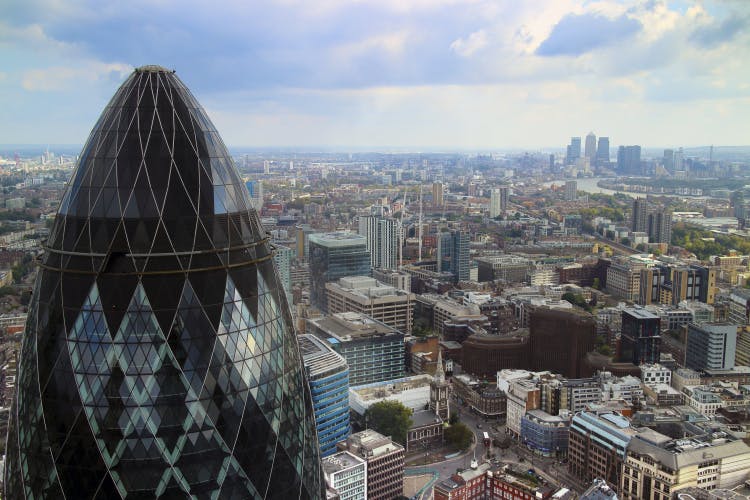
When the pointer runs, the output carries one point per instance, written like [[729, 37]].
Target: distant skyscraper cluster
[[629, 160], [595, 153]]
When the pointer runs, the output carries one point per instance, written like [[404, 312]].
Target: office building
[[347, 474], [602, 151], [589, 150], [711, 346], [334, 256], [482, 354], [629, 160], [482, 398], [571, 190], [373, 350], [559, 339], [302, 237], [597, 445], [624, 279], [437, 194], [382, 240], [573, 151], [368, 296], [506, 268], [394, 278], [640, 340], [385, 463], [487, 481], [328, 375], [545, 434], [656, 466], [153, 338]]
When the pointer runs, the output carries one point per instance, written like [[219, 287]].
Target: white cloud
[[467, 46], [56, 78]]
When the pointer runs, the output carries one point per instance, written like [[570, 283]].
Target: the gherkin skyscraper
[[159, 358]]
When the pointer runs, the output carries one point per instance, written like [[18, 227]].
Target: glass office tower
[[159, 358]]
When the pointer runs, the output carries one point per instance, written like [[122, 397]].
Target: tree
[[390, 418], [459, 436], [596, 284]]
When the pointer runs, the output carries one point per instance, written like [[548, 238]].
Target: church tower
[[439, 391]]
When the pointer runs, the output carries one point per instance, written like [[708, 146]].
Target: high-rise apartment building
[[602, 151], [640, 341], [282, 259], [496, 202], [629, 160], [328, 374], [437, 194], [334, 256], [659, 227], [711, 346], [382, 238], [639, 219], [573, 150], [571, 190], [460, 255], [385, 463], [589, 150], [373, 350], [366, 295], [160, 358]]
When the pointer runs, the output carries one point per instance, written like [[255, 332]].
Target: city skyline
[[445, 75]]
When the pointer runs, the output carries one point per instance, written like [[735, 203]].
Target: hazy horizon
[[389, 74]]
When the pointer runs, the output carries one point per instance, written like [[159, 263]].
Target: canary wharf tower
[[159, 358]]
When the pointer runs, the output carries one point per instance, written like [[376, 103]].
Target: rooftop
[[337, 239], [424, 418], [347, 326], [318, 357], [640, 313], [340, 461], [678, 453]]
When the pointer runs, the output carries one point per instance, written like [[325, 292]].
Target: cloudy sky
[[445, 74]]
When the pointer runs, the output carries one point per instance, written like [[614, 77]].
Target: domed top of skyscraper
[[159, 357]]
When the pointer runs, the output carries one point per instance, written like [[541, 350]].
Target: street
[[549, 469]]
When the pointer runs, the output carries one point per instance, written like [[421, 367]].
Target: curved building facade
[[484, 355], [159, 358]]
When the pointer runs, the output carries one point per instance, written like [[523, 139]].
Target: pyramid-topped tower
[[159, 358]]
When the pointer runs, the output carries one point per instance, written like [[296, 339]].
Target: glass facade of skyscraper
[[334, 256], [328, 374], [159, 358]]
